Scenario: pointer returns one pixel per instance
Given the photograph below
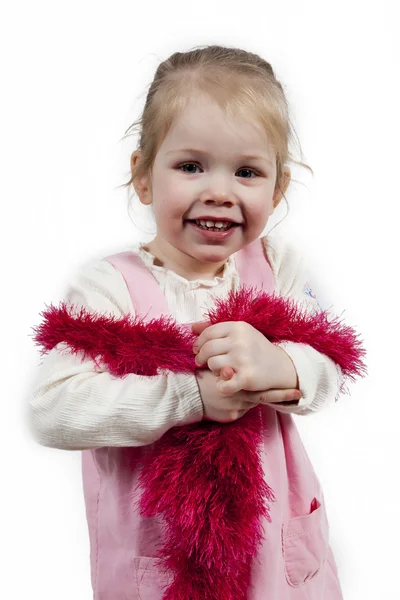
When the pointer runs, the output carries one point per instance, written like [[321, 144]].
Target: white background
[[74, 77]]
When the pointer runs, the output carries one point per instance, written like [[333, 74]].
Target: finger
[[226, 373], [279, 396], [217, 363], [209, 332], [213, 348], [200, 326], [230, 387]]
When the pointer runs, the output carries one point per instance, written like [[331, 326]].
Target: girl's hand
[[225, 408], [257, 364]]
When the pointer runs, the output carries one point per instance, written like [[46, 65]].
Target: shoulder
[[286, 260], [96, 284], [289, 265]]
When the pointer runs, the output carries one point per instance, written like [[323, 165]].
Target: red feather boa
[[210, 543]]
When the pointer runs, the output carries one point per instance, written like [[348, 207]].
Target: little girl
[[212, 165]]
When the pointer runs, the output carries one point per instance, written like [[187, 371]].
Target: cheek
[[168, 208], [257, 217], [260, 211], [171, 198], [178, 190]]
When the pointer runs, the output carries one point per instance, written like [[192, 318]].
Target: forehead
[[204, 125]]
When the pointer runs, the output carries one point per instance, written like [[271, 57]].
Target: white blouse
[[76, 406]]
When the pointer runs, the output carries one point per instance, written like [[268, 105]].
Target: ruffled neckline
[[149, 259]]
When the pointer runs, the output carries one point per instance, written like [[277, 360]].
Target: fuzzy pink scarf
[[204, 479]]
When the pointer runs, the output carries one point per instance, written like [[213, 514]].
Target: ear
[[142, 185], [284, 184]]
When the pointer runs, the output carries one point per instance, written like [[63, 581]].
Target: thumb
[[229, 386], [275, 396], [226, 373]]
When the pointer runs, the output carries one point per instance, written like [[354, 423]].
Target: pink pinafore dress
[[295, 561]]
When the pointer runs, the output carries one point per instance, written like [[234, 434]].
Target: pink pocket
[[305, 545]]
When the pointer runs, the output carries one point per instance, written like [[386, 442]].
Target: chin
[[213, 256]]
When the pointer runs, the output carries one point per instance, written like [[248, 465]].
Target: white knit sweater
[[76, 406]]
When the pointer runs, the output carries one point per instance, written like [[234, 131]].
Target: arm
[[319, 378], [76, 406]]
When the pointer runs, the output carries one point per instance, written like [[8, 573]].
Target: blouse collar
[[229, 270]]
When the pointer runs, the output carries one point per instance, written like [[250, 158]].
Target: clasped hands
[[244, 359]]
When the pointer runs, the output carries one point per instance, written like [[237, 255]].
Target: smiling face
[[209, 167]]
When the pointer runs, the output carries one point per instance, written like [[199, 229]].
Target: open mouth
[[217, 226]]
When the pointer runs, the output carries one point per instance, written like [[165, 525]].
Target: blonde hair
[[240, 82]]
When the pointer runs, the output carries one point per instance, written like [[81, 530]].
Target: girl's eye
[[186, 165], [249, 171], [196, 166]]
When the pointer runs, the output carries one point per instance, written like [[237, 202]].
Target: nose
[[218, 191]]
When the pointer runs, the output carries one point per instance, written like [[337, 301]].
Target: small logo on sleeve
[[309, 292]]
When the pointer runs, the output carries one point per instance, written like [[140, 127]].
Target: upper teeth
[[213, 223]]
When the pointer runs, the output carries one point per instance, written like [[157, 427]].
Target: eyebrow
[[243, 156]]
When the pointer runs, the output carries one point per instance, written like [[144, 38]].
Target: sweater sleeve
[[319, 376], [77, 406]]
